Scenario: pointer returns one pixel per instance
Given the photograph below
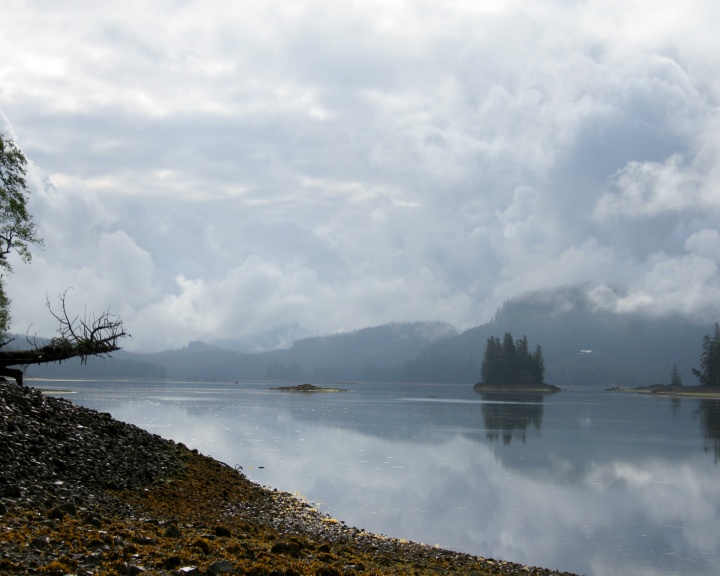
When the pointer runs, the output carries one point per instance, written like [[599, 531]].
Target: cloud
[[364, 163], [647, 189]]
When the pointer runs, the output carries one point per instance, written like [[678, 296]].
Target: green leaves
[[17, 228]]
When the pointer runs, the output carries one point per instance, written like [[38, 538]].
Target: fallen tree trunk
[[77, 338]]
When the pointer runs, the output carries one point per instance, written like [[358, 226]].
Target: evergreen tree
[[510, 362], [709, 373], [523, 360], [490, 371], [538, 363], [508, 359], [675, 378]]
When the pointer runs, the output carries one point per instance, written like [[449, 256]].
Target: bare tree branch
[[77, 338]]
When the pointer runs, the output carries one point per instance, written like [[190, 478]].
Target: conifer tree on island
[[511, 362], [675, 378], [95, 335]]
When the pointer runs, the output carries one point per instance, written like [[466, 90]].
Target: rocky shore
[[81, 494]]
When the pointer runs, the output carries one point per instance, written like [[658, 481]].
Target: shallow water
[[584, 481]]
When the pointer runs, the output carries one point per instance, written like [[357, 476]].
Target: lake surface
[[585, 481]]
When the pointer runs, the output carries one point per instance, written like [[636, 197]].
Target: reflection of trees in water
[[675, 402], [510, 415], [710, 422]]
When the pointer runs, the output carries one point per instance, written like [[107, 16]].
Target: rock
[[95, 543], [220, 567], [56, 514], [95, 558], [287, 548], [204, 545], [12, 491], [39, 543], [222, 532], [172, 562], [172, 531], [188, 571], [68, 508]]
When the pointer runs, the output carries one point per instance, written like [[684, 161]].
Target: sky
[[221, 170]]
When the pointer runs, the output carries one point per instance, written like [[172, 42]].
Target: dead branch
[[77, 338]]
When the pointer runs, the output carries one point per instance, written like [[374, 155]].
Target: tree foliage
[[17, 228], [675, 377], [511, 362], [76, 337], [709, 372]]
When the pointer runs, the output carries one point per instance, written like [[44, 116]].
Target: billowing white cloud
[[216, 171], [647, 189]]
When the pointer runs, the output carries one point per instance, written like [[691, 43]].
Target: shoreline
[[700, 392], [82, 493], [307, 389], [511, 388]]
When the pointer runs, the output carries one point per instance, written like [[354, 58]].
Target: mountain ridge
[[582, 345]]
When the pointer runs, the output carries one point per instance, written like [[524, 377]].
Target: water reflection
[[614, 485], [510, 415], [709, 411]]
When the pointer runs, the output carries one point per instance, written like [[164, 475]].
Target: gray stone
[[39, 543], [220, 567]]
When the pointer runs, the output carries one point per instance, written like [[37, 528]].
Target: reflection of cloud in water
[[613, 485]]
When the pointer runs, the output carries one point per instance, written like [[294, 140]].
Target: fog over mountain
[[582, 345], [586, 345]]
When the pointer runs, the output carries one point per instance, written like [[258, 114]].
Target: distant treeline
[[580, 346]]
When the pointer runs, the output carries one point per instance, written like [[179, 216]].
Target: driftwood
[[77, 338]]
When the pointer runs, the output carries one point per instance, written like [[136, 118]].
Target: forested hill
[[581, 347], [345, 356]]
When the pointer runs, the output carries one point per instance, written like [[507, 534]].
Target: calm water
[[585, 481]]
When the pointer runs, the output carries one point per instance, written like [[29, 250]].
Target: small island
[[509, 366], [708, 375], [519, 387], [307, 389]]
